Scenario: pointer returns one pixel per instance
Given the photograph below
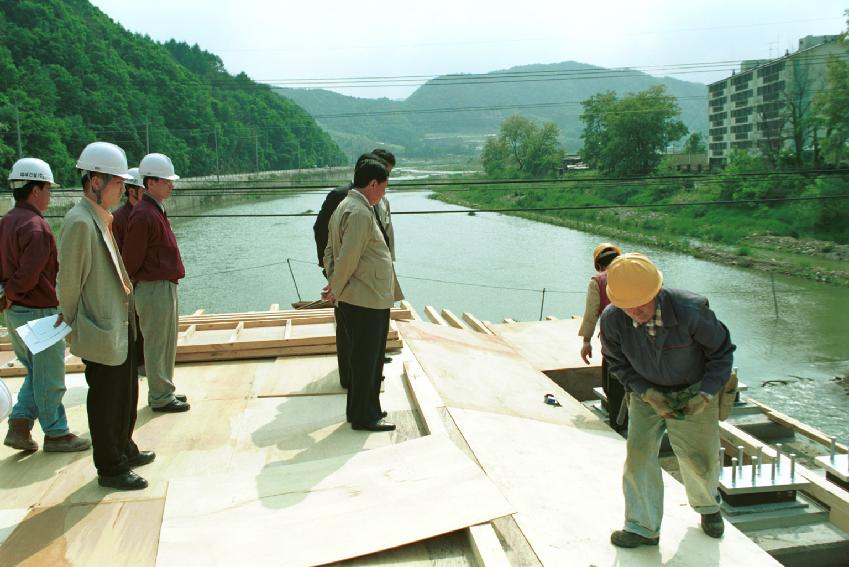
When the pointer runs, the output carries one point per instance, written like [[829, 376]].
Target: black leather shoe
[[621, 538], [127, 481], [175, 406], [142, 459], [383, 414], [387, 359], [713, 525], [379, 425], [181, 397]]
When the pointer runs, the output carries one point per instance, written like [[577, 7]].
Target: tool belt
[[727, 397]]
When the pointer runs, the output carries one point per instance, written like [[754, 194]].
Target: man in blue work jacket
[[674, 356]]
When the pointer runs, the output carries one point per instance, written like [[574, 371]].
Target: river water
[[496, 266]]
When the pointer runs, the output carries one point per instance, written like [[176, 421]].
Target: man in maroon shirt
[[153, 262], [121, 217], [28, 267]]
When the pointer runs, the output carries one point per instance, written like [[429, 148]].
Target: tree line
[[69, 75]]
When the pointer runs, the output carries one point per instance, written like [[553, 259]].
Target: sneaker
[[713, 525], [621, 538], [68, 443]]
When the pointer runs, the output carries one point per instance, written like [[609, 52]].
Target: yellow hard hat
[[632, 280], [604, 247]]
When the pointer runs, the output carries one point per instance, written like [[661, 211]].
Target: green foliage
[[626, 136], [695, 143], [523, 149], [832, 104], [76, 77]]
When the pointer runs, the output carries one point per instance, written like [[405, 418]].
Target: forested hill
[[76, 76], [542, 92]]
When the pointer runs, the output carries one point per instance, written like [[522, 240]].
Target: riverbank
[[820, 261]]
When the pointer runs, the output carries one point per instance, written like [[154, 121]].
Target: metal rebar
[[833, 447], [772, 473], [760, 458], [756, 463], [721, 460], [778, 457], [740, 457], [733, 471], [792, 466]]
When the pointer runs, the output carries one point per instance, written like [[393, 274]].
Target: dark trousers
[[615, 392], [343, 349], [113, 396], [367, 330]]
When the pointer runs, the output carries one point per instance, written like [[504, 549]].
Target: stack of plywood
[[240, 336]]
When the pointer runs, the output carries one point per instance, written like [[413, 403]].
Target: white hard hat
[[30, 169], [157, 165], [104, 157], [6, 401], [136, 179]]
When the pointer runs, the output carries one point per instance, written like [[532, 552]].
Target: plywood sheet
[[566, 485], [476, 371], [299, 376], [300, 429], [114, 534], [549, 345], [328, 510]]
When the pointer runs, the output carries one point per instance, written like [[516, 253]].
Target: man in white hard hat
[[153, 261], [121, 217], [96, 299], [670, 351], [28, 267]]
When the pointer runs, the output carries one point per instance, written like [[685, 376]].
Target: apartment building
[[754, 109]]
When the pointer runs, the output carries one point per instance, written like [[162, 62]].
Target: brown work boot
[[19, 435], [68, 443]]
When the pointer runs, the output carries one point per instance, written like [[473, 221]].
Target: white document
[[40, 334]]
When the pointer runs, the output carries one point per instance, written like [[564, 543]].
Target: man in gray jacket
[[96, 299], [670, 351], [361, 278]]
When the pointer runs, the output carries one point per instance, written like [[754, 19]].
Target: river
[[495, 266]]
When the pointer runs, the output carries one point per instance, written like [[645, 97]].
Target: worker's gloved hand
[[697, 404], [658, 403], [586, 352]]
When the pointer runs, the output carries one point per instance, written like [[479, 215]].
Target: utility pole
[[147, 136], [299, 154], [217, 160], [18, 128]]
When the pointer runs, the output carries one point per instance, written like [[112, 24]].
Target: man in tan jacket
[[96, 300], [362, 280]]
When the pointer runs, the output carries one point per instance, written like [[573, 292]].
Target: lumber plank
[[475, 323], [551, 318], [808, 431], [287, 333], [509, 321], [406, 305], [452, 319], [433, 316], [274, 307], [238, 331], [486, 547]]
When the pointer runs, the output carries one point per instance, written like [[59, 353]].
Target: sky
[[335, 44]]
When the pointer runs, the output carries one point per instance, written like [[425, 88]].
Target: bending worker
[[670, 351], [597, 300], [28, 267], [153, 261]]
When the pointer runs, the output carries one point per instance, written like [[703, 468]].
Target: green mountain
[[436, 117], [69, 75]]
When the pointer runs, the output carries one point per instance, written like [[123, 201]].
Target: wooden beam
[[452, 319], [409, 307], [199, 312], [796, 425], [274, 307], [476, 324], [551, 318], [509, 321], [287, 332], [235, 336], [486, 547], [187, 334], [433, 316]]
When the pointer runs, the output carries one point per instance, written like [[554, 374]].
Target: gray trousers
[[156, 304]]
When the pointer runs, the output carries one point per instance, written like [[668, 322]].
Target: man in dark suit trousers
[[362, 280]]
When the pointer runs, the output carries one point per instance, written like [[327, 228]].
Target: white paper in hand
[[40, 334]]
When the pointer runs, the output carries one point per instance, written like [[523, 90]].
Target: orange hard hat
[[632, 280], [604, 247]]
